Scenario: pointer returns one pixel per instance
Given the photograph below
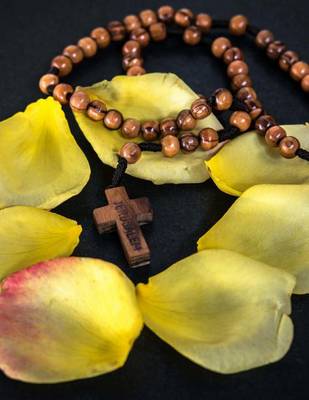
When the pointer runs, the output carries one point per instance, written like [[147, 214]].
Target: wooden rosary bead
[[96, 110], [224, 99], [274, 135], [204, 22], [240, 81], [254, 108], [101, 36], [241, 120], [209, 138], [131, 128], [263, 123], [238, 25], [170, 145], [299, 70], [117, 30], [264, 38], [220, 45], [185, 120], [63, 63], [289, 146], [132, 22], [232, 54], [136, 70], [89, 46], [166, 14], [150, 130], [129, 61], [246, 93], [113, 119], [192, 35], [168, 126], [46, 81], [148, 17], [188, 142], [141, 36], [62, 92], [287, 59], [275, 49], [74, 53], [200, 109], [131, 152], [158, 31], [131, 48], [79, 101], [305, 83], [236, 68], [183, 17]]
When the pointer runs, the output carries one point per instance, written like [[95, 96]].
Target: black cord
[[303, 154], [119, 172]]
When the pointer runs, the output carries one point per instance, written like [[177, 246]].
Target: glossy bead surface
[[241, 120], [200, 109], [289, 146], [46, 81], [141, 36], [299, 70], [61, 92], [158, 31], [263, 123], [209, 138], [166, 14], [185, 120], [246, 93], [132, 22], [148, 17], [188, 142], [63, 63], [117, 30], [264, 38], [274, 135], [131, 152], [204, 22], [74, 53], [232, 54], [168, 126], [150, 130], [287, 59], [192, 35], [89, 46], [238, 25], [128, 62], [113, 119], [170, 146], [101, 36], [224, 99], [131, 128], [305, 83], [183, 17], [240, 81], [237, 67], [220, 45], [79, 101], [96, 110], [131, 48], [275, 49], [136, 70], [254, 108]]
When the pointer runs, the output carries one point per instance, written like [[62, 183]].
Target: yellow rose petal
[[29, 235], [147, 97], [66, 319], [41, 164], [222, 310]]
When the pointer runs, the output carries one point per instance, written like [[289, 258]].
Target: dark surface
[[32, 33]]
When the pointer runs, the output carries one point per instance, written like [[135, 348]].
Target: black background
[[31, 33]]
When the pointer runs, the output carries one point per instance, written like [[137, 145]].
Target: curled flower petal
[[247, 161], [66, 319], [268, 223], [29, 235], [222, 310], [41, 164], [147, 97]]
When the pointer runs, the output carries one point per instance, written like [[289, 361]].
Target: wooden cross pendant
[[126, 216]]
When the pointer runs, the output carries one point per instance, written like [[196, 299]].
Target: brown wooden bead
[[287, 59], [299, 70], [240, 81], [158, 31], [246, 93], [209, 138], [305, 83], [263, 123], [96, 110], [131, 128], [264, 38], [254, 108], [113, 119], [61, 92], [131, 152], [192, 35], [46, 81], [238, 25], [241, 120], [224, 99], [185, 120], [170, 146], [232, 54], [275, 49], [117, 30], [89, 46], [79, 101], [131, 48], [220, 45], [166, 14], [129, 62], [141, 36], [289, 146], [274, 135], [200, 109], [136, 70], [101, 36], [150, 130], [188, 142], [74, 53], [183, 17], [148, 17], [236, 68], [168, 126], [204, 22], [63, 63], [132, 22]]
